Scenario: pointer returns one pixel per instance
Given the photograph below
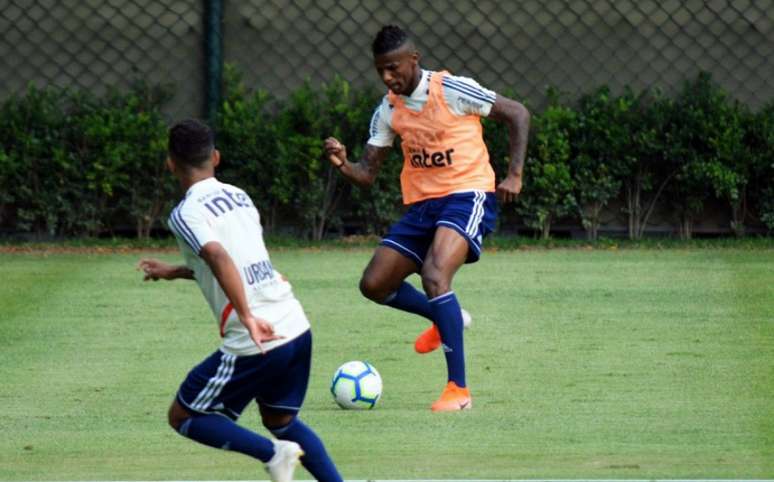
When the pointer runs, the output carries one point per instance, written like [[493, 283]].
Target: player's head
[[396, 59], [191, 146]]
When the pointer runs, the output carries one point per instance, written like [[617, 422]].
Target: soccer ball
[[356, 385]]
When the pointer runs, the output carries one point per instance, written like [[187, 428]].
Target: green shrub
[[248, 142], [37, 172], [119, 143], [706, 144], [644, 169], [760, 140], [601, 142], [73, 164], [548, 188], [306, 118]]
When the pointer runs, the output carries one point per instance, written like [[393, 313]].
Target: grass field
[[596, 364]]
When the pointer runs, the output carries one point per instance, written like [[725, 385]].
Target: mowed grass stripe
[[602, 365]]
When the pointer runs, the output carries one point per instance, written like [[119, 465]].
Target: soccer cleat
[[430, 339], [452, 399], [285, 460]]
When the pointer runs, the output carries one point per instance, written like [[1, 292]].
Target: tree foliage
[[74, 164]]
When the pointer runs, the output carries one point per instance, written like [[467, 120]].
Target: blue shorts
[[472, 214], [225, 383]]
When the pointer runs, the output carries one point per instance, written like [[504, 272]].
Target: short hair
[[389, 38], [191, 142]]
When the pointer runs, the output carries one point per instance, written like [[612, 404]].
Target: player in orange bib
[[448, 185]]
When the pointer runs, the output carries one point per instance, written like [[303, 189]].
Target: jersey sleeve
[[465, 96], [191, 228], [380, 130]]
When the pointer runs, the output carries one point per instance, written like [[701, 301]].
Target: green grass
[[635, 363]]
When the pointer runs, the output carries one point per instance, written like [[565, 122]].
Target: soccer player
[[266, 351], [448, 185]]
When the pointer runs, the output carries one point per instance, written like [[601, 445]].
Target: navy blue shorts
[[225, 383], [472, 214]]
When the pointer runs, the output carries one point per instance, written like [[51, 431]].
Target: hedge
[[72, 164]]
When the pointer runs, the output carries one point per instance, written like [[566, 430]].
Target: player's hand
[[260, 331], [508, 190], [155, 269], [335, 151]]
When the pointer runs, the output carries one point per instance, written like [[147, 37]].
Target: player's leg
[[402, 253], [389, 268], [199, 413], [315, 458], [464, 221], [448, 252], [383, 281], [280, 400]]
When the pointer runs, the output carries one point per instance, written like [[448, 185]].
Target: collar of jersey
[[200, 184], [421, 88]]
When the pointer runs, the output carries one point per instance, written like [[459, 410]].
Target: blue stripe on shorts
[[226, 384]]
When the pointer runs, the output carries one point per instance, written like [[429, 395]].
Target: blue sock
[[315, 458], [222, 433], [408, 298], [448, 316]]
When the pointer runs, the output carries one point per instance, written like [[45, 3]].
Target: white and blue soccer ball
[[356, 385]]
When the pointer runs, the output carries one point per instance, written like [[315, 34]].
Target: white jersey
[[463, 95], [216, 212]]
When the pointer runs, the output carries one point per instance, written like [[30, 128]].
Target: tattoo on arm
[[363, 172]]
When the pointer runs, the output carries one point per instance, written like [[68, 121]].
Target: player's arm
[[156, 270], [517, 117], [363, 172], [225, 271]]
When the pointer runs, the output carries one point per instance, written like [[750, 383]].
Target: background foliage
[[72, 164]]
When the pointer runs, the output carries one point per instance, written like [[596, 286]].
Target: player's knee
[[372, 289], [175, 421], [434, 282], [176, 416], [274, 421]]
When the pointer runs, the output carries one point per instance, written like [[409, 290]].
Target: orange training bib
[[442, 153]]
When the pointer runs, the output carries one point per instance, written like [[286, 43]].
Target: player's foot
[[430, 339], [285, 460], [452, 399]]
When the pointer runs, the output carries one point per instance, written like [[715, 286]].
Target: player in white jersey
[[266, 350]]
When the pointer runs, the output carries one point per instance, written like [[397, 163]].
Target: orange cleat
[[430, 339], [452, 399]]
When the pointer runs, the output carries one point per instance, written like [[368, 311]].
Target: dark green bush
[[760, 140], [601, 140], [308, 116], [75, 165], [707, 147], [36, 176], [247, 137], [548, 188], [72, 164], [120, 144]]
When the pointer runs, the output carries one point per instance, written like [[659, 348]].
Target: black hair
[[191, 142], [389, 38]]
